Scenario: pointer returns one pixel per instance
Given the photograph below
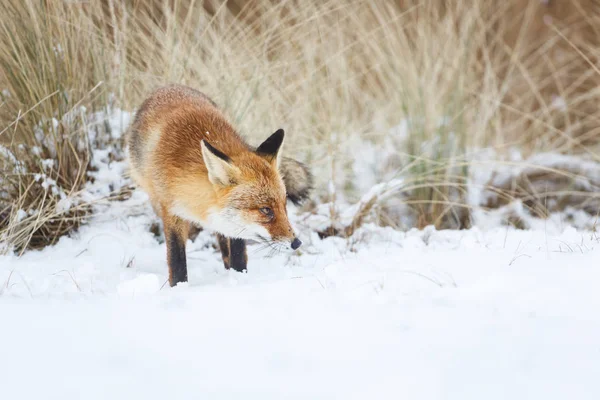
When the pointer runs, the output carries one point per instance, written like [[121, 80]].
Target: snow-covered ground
[[488, 313], [495, 314]]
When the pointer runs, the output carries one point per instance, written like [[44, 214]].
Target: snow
[[490, 312], [21, 214], [429, 314]]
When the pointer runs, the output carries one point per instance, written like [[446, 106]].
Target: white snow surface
[[495, 313]]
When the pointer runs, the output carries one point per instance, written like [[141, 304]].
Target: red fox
[[196, 169]]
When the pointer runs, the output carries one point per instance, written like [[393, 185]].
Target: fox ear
[[269, 149], [220, 169]]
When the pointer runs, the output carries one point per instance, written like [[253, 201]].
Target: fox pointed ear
[[270, 148], [220, 169]]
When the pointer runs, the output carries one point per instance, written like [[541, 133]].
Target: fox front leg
[[224, 247], [238, 255], [176, 233], [234, 253]]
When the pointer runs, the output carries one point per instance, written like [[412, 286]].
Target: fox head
[[251, 195]]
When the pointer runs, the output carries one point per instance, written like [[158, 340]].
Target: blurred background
[[416, 113]]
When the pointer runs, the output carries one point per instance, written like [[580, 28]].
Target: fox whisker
[[260, 248]]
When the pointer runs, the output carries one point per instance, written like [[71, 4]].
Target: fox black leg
[[224, 246], [238, 258], [177, 261], [176, 236], [233, 252]]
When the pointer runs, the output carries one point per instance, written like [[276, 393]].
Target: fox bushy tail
[[297, 178]]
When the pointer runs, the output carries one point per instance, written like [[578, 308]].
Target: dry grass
[[472, 74]]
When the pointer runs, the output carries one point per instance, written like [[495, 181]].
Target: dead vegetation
[[513, 76]]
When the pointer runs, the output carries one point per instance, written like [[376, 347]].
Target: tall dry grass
[[458, 75]]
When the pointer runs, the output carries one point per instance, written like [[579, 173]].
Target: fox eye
[[268, 211]]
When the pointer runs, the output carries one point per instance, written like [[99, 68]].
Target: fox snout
[[296, 243], [292, 239]]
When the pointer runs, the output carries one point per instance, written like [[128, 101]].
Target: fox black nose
[[296, 243]]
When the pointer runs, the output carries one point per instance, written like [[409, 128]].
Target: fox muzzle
[[296, 243]]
